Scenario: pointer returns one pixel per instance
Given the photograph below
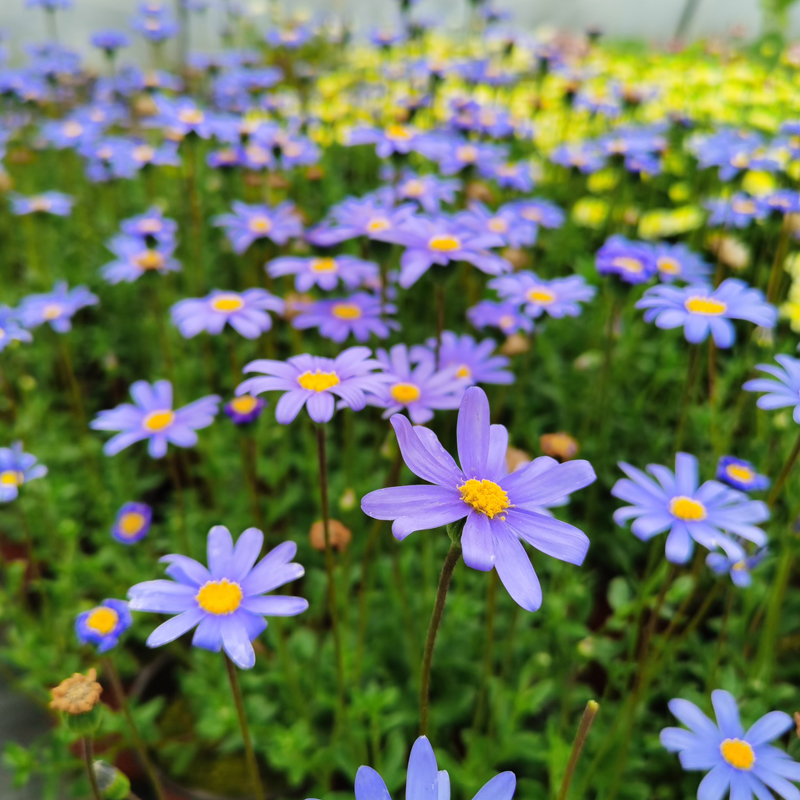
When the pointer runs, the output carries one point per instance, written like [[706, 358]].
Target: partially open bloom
[[103, 624], [426, 781], [499, 508], [325, 272], [151, 223], [782, 392], [245, 409], [430, 191], [675, 503], [633, 262], [10, 329], [151, 417], [737, 212], [702, 309], [393, 139], [740, 475], [473, 361], [132, 522], [250, 222], [505, 222], [226, 602], [676, 262], [16, 468], [505, 316], [739, 762], [360, 315], [540, 212], [740, 569], [314, 381], [245, 312], [135, 257], [558, 297], [56, 203], [419, 390], [56, 307], [78, 694]]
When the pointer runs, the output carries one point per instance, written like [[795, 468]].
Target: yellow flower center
[[151, 225], [740, 160], [668, 265], [226, 156], [445, 243], [149, 259], [738, 754], [628, 264], [323, 265], [739, 566], [484, 496], [497, 225], [414, 188], [105, 153], [687, 509], [405, 392], [740, 473], [73, 129], [11, 477], [318, 381], [506, 322], [744, 206], [292, 149], [244, 404], [191, 116], [152, 24], [541, 295], [468, 153], [706, 305], [227, 302], [103, 620], [257, 154], [220, 597], [346, 311], [40, 204], [143, 153], [398, 132], [379, 224], [158, 420], [52, 311], [463, 372], [131, 523], [532, 214], [260, 224]]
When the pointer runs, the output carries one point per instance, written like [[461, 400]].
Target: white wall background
[[650, 19]]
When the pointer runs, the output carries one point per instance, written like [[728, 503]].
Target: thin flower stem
[[784, 473], [138, 742], [88, 758], [777, 265], [589, 713], [722, 639], [688, 393], [178, 486], [251, 478], [440, 302], [329, 564], [453, 554], [77, 399], [250, 756], [195, 212], [766, 648], [488, 654]]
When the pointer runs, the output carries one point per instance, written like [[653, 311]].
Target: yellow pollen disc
[[541, 295], [158, 420], [52, 312], [398, 132], [152, 24], [445, 244], [739, 566], [405, 392], [227, 302], [2, 334], [507, 170], [260, 225], [497, 225], [105, 153], [706, 305], [318, 381], [739, 754], [151, 226], [740, 473], [532, 214], [464, 372], [226, 155], [40, 204], [103, 620], [11, 478], [244, 404], [687, 509], [73, 129], [379, 224], [506, 322], [131, 523], [191, 116], [257, 154], [150, 259], [323, 265], [628, 264], [740, 160], [484, 496], [143, 153], [668, 265], [744, 206], [220, 597], [414, 188], [292, 150], [346, 311], [467, 153]]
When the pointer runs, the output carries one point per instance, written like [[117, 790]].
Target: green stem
[[688, 393], [488, 655], [589, 713], [178, 486], [784, 474], [250, 756], [453, 554], [777, 264], [329, 564], [88, 758], [75, 389], [138, 742]]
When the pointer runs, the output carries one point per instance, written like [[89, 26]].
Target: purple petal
[[769, 727], [276, 605], [516, 572], [423, 772], [237, 643], [220, 551], [370, 785], [247, 550], [727, 713], [501, 787], [550, 536], [208, 634], [175, 627], [477, 542], [472, 432], [715, 784]]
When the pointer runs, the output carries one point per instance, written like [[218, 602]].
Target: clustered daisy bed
[[415, 412]]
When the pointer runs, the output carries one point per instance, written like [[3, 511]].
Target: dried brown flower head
[[78, 694], [559, 445], [340, 536], [515, 344], [515, 458]]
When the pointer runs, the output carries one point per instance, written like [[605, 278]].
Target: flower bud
[[339, 535]]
